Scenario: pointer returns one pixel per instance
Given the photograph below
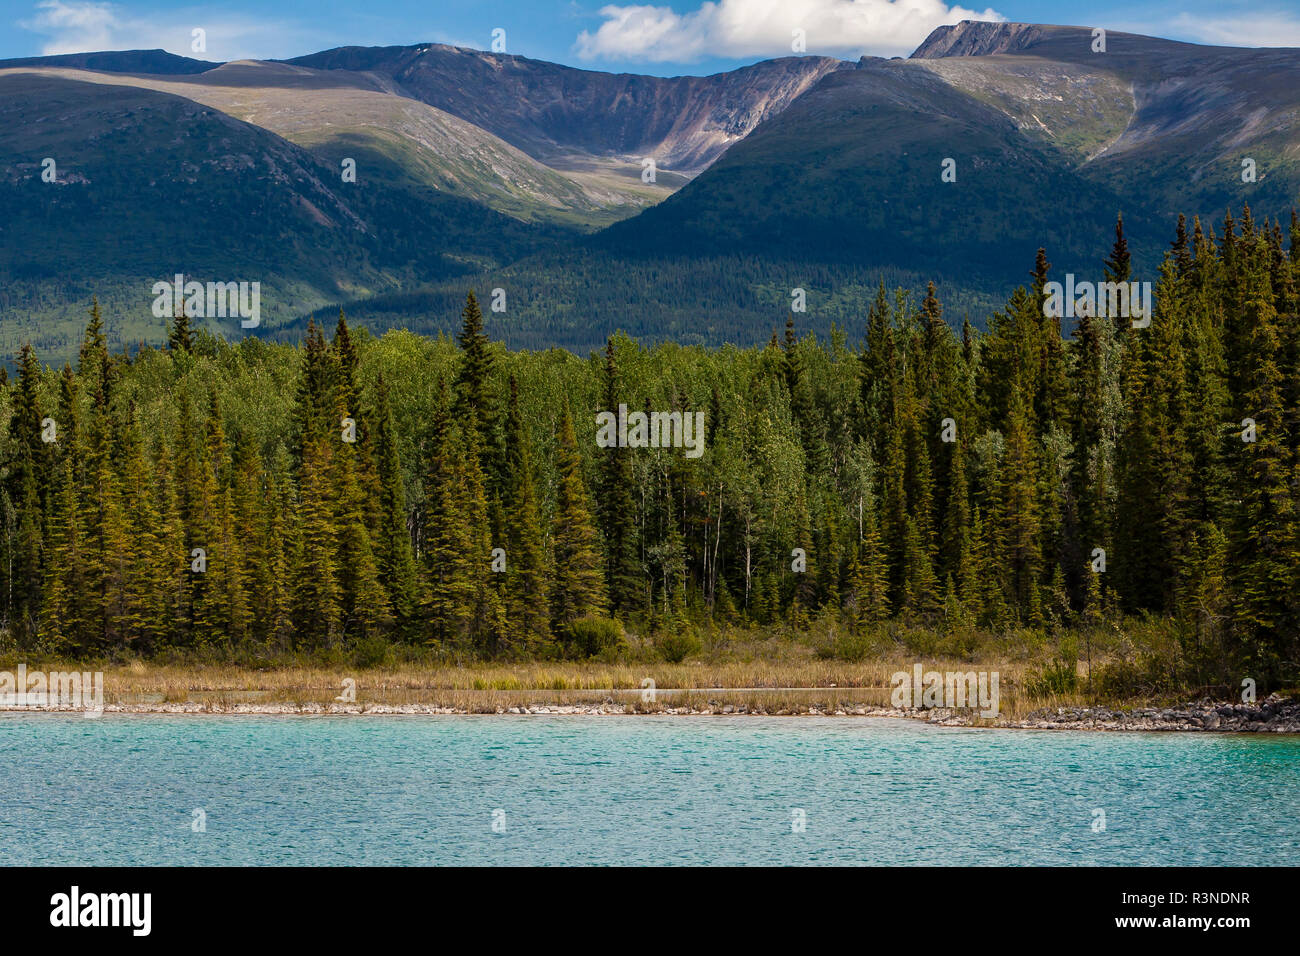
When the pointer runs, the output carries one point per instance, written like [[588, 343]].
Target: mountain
[[1050, 140], [485, 170], [464, 161], [582, 120], [852, 174], [123, 61], [534, 140], [150, 184], [391, 138], [1169, 123]]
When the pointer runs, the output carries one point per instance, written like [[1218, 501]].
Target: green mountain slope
[[490, 171], [151, 184], [852, 174], [392, 138], [1193, 112], [1050, 142]]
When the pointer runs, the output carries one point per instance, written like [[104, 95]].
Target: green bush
[[675, 648], [852, 647], [370, 651], [591, 635], [1145, 675]]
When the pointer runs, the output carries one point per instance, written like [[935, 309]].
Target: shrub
[[591, 635], [675, 648], [370, 651], [1062, 677], [852, 647]]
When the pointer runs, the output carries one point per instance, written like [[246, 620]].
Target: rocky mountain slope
[[478, 169], [572, 119], [391, 138], [1169, 122], [1049, 142]]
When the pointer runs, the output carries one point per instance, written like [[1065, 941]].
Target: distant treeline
[[575, 297], [355, 489]]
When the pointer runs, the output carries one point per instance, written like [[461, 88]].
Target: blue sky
[[664, 37]]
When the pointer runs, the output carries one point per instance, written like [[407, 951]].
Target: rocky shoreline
[[1274, 714]]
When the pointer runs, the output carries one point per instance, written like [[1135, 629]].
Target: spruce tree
[[317, 617], [1262, 555], [180, 338], [63, 624], [449, 578], [484, 614], [528, 580], [28, 489], [617, 513], [1020, 516], [869, 577], [475, 403], [578, 586], [1118, 265], [393, 547]]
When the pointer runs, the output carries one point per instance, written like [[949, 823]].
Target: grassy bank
[[822, 668]]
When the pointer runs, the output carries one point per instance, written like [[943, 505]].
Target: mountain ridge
[[486, 170], [609, 102]]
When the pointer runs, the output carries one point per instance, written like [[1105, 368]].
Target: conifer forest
[[1041, 474]]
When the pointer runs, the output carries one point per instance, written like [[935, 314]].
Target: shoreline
[[1274, 714]]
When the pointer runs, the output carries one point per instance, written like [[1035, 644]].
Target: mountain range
[[684, 208]]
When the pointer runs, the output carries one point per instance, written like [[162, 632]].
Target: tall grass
[[824, 669]]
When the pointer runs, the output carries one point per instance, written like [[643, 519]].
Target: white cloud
[[83, 26], [746, 28], [1250, 29], [73, 27]]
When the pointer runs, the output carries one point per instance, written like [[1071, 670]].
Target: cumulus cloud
[[748, 28], [83, 26]]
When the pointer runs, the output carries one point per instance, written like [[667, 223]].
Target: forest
[[352, 491]]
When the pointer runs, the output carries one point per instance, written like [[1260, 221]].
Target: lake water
[[633, 790]]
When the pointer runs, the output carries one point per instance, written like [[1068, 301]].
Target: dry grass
[[769, 669], [793, 687]]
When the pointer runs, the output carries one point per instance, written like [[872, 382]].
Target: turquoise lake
[[123, 790]]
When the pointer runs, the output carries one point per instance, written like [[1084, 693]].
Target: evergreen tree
[[617, 514], [1262, 556], [63, 624], [449, 545], [28, 489], [869, 577], [578, 585], [314, 413], [1020, 517], [317, 615], [1118, 265], [180, 338], [528, 580], [94, 365], [396, 563]]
